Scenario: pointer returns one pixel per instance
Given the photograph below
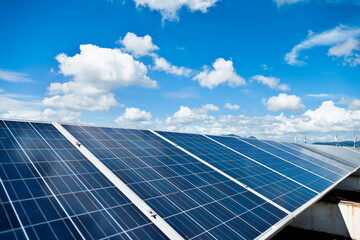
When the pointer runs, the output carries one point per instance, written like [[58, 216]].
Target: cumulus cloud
[[162, 64], [284, 2], [143, 46], [187, 115], [222, 72], [169, 9], [134, 117], [342, 41], [284, 102], [96, 72], [138, 46], [271, 82], [232, 106], [11, 76]]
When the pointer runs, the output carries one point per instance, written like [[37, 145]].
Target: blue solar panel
[[334, 166], [292, 171], [344, 153], [82, 201], [195, 200], [275, 187], [308, 149], [318, 167]]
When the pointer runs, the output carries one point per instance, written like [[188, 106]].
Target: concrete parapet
[[332, 216]]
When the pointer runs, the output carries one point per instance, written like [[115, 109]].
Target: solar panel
[[339, 152], [84, 182], [267, 182], [286, 167], [311, 150], [195, 200], [317, 159], [314, 166], [59, 194]]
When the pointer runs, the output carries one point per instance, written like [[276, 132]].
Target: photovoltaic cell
[[96, 207], [195, 200], [270, 184]]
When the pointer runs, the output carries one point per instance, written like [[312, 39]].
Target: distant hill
[[234, 135], [343, 144], [231, 135]]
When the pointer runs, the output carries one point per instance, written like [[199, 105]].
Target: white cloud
[[283, 2], [232, 106], [73, 102], [16, 106], [344, 49], [210, 107], [96, 73], [337, 38], [138, 46], [143, 46], [186, 115], [272, 82], [266, 67], [284, 102], [354, 104], [317, 124], [320, 95], [134, 117], [162, 64], [223, 72], [170, 8], [104, 67], [11, 76]]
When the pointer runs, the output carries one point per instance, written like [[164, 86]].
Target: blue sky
[[271, 68]]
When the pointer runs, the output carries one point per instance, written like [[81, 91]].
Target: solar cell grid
[[29, 194], [320, 171], [328, 154], [339, 152], [97, 207], [290, 170], [194, 199], [318, 160], [281, 190]]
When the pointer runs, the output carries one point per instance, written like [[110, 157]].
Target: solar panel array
[[201, 187], [58, 193]]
